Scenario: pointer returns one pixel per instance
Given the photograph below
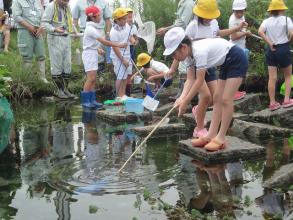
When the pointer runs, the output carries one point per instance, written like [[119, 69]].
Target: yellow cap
[[207, 9], [119, 13], [277, 5], [129, 10], [143, 59]]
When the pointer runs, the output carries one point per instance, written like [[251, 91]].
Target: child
[[4, 30], [92, 36], [199, 56], [132, 46], [205, 25], [275, 31], [155, 70], [121, 32], [239, 38]]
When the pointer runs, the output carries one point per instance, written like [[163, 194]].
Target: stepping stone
[[165, 93], [162, 110], [168, 129], [282, 178], [122, 117], [249, 104], [237, 150], [253, 129], [281, 117]]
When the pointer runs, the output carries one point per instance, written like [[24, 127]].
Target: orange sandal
[[200, 142], [215, 145]]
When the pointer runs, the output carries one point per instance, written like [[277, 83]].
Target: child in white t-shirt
[[91, 47], [155, 70], [199, 56], [134, 33], [121, 32], [276, 31]]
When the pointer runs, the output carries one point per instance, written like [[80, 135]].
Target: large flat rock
[[254, 129], [282, 117], [118, 117], [249, 104], [168, 129], [165, 93], [237, 150], [282, 178]]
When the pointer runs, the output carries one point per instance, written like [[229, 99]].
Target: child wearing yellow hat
[[121, 33], [276, 31], [205, 25], [155, 70]]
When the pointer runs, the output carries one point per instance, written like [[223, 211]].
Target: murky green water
[[62, 163]]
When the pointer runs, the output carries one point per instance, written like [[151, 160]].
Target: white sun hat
[[172, 39], [239, 5]]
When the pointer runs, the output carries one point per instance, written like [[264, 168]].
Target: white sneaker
[[45, 80], [124, 98]]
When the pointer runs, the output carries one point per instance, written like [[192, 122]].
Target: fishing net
[[147, 32]]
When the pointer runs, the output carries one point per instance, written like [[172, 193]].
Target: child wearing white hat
[[199, 56]]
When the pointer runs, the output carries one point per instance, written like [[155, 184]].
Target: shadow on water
[[62, 162]]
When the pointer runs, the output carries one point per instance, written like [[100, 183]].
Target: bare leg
[[231, 86], [217, 109], [272, 83], [90, 82], [204, 101], [6, 40], [120, 87], [287, 75]]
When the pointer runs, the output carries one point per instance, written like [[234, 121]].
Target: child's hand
[[101, 51], [271, 45], [122, 45], [242, 25], [248, 34], [125, 63], [178, 101], [182, 107]]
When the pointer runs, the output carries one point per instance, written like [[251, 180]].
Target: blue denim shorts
[[281, 57], [235, 65]]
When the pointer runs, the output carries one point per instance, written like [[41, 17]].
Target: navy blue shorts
[[235, 65], [281, 57], [210, 74], [167, 83]]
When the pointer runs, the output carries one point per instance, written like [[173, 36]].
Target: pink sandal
[[239, 95], [200, 133], [288, 103], [275, 106]]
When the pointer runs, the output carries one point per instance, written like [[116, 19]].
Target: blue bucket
[[134, 105]]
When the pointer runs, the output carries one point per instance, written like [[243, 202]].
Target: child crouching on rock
[[276, 31], [155, 70], [199, 56], [92, 36]]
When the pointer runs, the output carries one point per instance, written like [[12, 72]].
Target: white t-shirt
[[196, 31], [157, 66], [208, 53], [91, 33], [233, 21], [1, 5], [276, 30], [134, 30], [120, 35]]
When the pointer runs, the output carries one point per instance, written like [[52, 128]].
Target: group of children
[[202, 49]]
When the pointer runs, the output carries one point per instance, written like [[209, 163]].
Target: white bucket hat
[[172, 39], [239, 5]]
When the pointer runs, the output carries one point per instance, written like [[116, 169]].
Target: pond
[[62, 163]]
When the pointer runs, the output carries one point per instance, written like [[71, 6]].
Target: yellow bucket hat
[[129, 10], [119, 13], [143, 59], [277, 5], [207, 9]]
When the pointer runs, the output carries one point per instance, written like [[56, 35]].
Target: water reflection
[[214, 190]]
